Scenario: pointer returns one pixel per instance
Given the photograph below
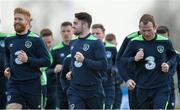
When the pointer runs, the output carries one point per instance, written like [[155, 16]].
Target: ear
[[155, 27], [85, 24]]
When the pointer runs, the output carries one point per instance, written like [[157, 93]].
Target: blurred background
[[120, 17]]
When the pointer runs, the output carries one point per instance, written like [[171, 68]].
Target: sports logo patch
[[8, 98], [108, 54], [86, 47], [10, 45], [2, 43], [28, 44], [17, 59], [72, 47], [62, 55], [160, 48], [78, 64], [72, 106]]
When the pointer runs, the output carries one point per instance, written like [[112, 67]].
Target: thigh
[[118, 98], [63, 102], [51, 101], [109, 96], [144, 101], [33, 101], [161, 98], [74, 100], [95, 102], [13, 94], [2, 93], [171, 104], [133, 101]]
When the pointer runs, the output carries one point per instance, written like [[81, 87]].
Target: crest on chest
[[28, 44], [160, 48]]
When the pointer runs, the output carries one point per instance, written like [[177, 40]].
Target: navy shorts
[[85, 99], [26, 93], [2, 92], [156, 98]]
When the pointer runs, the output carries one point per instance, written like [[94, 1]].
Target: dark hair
[[66, 23], [147, 18], [94, 26], [162, 30], [110, 37], [84, 17], [46, 32]]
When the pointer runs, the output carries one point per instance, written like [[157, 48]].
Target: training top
[[88, 72], [148, 73], [36, 51]]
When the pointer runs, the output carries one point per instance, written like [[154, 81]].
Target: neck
[[149, 38], [66, 42], [84, 34], [22, 33]]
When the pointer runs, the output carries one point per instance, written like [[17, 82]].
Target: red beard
[[19, 27]]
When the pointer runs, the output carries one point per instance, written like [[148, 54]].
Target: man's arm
[[100, 64], [178, 70], [42, 58]]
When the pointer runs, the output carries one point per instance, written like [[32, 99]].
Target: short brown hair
[[46, 32], [147, 18], [94, 26], [162, 30], [23, 11], [83, 16], [66, 23], [110, 37]]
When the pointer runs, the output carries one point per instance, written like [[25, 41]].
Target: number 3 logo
[[17, 59], [150, 63]]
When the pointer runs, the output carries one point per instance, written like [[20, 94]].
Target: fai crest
[[160, 48], [28, 44], [86, 47], [108, 54]]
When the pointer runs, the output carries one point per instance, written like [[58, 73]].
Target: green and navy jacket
[[2, 53], [178, 69], [125, 72], [88, 73], [148, 73], [111, 53], [59, 52], [66, 68], [36, 51], [173, 69]]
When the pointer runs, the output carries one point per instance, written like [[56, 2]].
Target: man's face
[[148, 30], [20, 23], [66, 33], [48, 40], [78, 26], [98, 33]]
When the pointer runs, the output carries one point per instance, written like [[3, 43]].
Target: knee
[[14, 106]]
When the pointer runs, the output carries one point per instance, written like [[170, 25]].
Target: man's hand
[[69, 75], [139, 55], [130, 84], [79, 57], [22, 56], [164, 67], [58, 68], [7, 73]]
